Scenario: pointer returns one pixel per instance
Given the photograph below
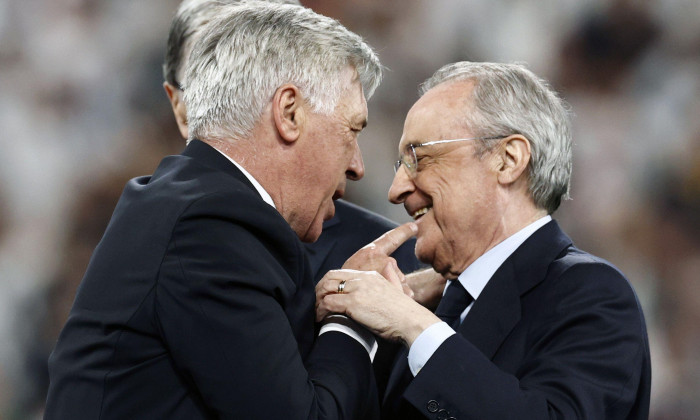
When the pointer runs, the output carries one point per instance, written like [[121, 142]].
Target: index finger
[[393, 239]]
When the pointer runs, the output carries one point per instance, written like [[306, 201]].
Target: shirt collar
[[478, 274], [259, 188]]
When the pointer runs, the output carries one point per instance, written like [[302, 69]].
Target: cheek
[[335, 164], [452, 214], [445, 200]]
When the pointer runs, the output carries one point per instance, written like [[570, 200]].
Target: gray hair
[[510, 99], [189, 20], [252, 49]]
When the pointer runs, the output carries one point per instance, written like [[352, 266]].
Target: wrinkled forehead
[[352, 103], [439, 114]]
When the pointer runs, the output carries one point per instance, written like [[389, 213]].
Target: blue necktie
[[453, 303]]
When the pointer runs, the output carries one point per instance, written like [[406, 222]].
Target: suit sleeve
[[582, 360], [219, 305]]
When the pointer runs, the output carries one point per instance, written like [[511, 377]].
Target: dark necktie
[[453, 303]]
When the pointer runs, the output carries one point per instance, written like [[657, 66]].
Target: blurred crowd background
[[82, 110]]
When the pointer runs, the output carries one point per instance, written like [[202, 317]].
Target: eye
[[422, 161]]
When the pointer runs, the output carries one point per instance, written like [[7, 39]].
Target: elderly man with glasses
[[529, 326]]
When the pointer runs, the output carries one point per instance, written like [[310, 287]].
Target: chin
[[434, 257], [423, 253]]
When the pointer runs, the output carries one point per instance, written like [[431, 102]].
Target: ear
[[179, 109], [288, 112], [514, 156]]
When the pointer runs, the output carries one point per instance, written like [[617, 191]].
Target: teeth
[[420, 212]]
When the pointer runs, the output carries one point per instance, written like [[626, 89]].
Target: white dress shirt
[[474, 279]]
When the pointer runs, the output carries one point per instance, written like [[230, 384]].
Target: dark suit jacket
[[199, 303], [556, 333], [350, 229]]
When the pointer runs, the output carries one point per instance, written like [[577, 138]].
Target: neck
[[518, 214], [256, 157], [517, 210]]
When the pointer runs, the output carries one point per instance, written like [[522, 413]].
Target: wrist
[[416, 324]]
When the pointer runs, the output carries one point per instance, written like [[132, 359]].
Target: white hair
[[253, 48], [190, 18], [510, 99]]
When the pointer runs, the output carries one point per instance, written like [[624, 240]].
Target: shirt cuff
[[345, 325], [425, 345]]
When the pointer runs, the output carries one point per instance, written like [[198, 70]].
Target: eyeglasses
[[409, 159]]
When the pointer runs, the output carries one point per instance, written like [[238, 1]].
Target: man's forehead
[[447, 96], [438, 114], [356, 105]]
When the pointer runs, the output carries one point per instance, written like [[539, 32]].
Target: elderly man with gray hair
[[198, 301], [529, 326], [352, 227]]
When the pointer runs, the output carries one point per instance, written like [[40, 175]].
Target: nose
[[401, 187], [356, 169]]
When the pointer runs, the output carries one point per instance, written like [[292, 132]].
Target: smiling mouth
[[421, 212]]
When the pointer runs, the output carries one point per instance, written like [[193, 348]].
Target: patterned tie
[[453, 303]]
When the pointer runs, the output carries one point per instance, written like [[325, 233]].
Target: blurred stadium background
[[82, 110]]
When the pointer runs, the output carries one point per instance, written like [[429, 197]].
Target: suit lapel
[[494, 314], [497, 310]]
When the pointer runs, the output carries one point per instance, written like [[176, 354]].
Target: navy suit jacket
[[350, 229], [199, 303], [556, 333]]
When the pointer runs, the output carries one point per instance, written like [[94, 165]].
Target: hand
[[374, 302], [375, 255], [427, 286], [329, 284]]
